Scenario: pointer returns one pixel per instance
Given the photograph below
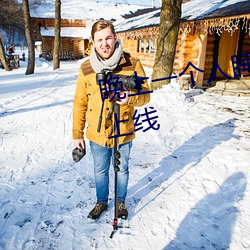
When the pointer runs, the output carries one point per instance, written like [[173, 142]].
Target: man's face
[[104, 42]]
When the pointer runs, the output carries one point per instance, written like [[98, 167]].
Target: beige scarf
[[110, 64]]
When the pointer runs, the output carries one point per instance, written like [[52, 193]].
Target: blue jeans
[[102, 156]]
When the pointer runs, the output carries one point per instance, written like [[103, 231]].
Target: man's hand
[[79, 143], [125, 99], [79, 151]]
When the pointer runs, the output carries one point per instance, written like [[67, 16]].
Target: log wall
[[209, 56], [73, 45], [179, 56], [190, 54], [50, 22], [246, 49], [133, 47]]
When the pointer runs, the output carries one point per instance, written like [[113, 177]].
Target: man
[[107, 54]]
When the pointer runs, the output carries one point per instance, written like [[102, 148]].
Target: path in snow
[[188, 180]]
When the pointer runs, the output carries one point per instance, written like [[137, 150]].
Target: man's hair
[[101, 24]]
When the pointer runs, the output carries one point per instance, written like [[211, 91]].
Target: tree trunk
[[168, 35], [29, 38], [56, 59], [3, 57]]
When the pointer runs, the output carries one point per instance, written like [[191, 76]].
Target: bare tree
[[11, 24], [11, 16], [3, 57], [168, 34], [56, 59], [28, 33]]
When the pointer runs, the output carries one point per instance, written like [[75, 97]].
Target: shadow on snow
[[23, 110], [210, 223], [190, 153]]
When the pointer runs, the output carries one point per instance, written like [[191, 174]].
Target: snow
[[156, 3], [192, 10], [84, 33], [196, 9], [145, 20], [86, 10], [189, 180]]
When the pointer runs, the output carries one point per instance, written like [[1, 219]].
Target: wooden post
[[144, 45], [201, 59], [140, 45], [149, 45]]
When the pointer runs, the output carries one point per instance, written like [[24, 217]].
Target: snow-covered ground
[[189, 180]]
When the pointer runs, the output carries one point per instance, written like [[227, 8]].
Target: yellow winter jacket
[[88, 101]]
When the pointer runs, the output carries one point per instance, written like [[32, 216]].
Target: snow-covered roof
[[205, 9], [191, 11], [145, 20], [79, 32], [85, 10]]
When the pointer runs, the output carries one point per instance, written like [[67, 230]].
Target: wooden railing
[[64, 55]]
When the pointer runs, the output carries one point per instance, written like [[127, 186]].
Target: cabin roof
[[208, 9], [193, 10], [85, 10], [77, 32]]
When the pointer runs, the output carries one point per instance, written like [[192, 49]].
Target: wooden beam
[[201, 59]]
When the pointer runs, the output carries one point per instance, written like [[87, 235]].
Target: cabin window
[[140, 45], [146, 45]]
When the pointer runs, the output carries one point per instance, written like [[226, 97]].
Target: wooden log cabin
[[75, 36], [204, 37]]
